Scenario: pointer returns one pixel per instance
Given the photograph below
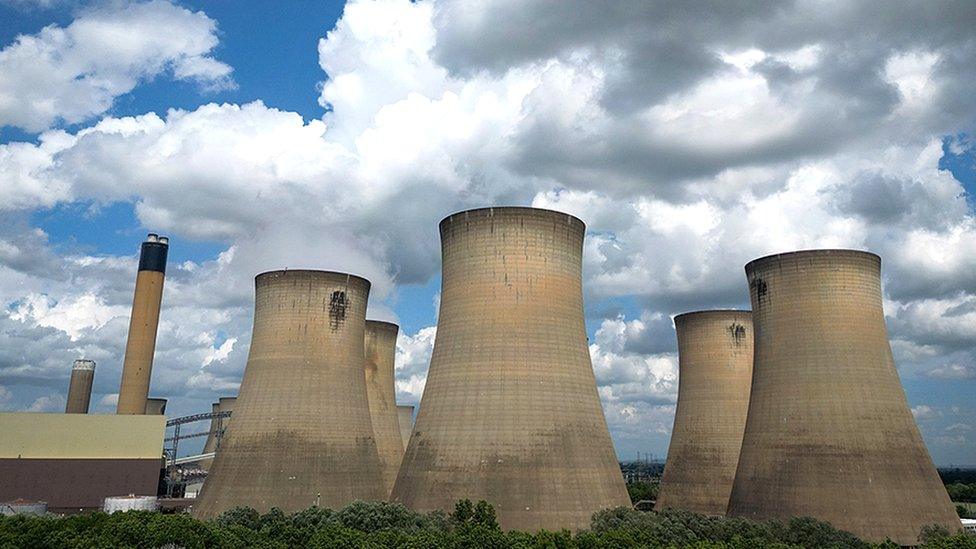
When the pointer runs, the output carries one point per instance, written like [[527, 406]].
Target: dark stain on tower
[[761, 288], [337, 309]]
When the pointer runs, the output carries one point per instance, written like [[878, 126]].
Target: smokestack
[[714, 376], [224, 404], [380, 351], [141, 343], [80, 386], [405, 416], [301, 433], [829, 433], [156, 406], [510, 412]]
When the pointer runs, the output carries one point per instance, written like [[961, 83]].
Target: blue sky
[[208, 125]]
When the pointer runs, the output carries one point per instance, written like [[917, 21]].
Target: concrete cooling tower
[[380, 351], [510, 412], [141, 343], [405, 415], [301, 433], [714, 376], [156, 406], [80, 387], [829, 433], [224, 404]]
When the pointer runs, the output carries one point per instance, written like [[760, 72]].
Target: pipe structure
[[223, 404], [829, 433], [143, 324], [156, 406], [405, 416], [510, 413], [301, 432], [380, 353], [80, 387], [714, 377]]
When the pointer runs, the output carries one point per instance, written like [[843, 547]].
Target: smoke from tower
[[829, 433], [510, 412], [141, 343]]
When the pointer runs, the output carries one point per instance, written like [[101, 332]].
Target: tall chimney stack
[[139, 348], [80, 386]]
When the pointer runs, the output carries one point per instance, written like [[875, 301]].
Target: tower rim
[[489, 211], [384, 324], [814, 252], [317, 273], [711, 312]]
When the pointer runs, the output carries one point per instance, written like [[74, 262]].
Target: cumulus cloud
[[690, 140], [923, 412], [412, 359], [75, 72]]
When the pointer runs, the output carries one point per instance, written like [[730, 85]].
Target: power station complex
[[792, 409]]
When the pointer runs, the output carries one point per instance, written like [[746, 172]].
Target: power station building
[[510, 412], [141, 343], [380, 352], [301, 433], [714, 377], [829, 433], [74, 461], [80, 387], [405, 416]]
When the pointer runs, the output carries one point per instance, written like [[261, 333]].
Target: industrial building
[[141, 342], [405, 416], [510, 413], [80, 387], [74, 461], [829, 433], [380, 355], [714, 378], [301, 433]]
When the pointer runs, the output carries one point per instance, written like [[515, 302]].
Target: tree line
[[470, 525]]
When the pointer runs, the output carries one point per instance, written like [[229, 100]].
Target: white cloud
[[48, 403], [923, 412], [412, 360], [75, 72]]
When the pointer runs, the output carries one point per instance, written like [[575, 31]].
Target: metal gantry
[[175, 477]]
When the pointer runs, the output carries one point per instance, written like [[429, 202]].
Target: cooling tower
[[156, 406], [714, 375], [80, 387], [405, 416], [829, 433], [380, 351], [141, 343], [224, 404], [301, 433], [510, 412]]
